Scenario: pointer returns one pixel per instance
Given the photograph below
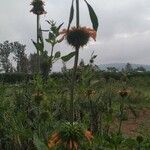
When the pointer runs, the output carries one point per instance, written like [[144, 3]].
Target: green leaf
[[39, 46], [68, 57], [58, 28], [71, 14], [41, 36], [49, 41], [93, 16], [57, 54], [39, 144], [51, 36]]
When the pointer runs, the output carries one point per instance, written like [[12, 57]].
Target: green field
[[37, 109]]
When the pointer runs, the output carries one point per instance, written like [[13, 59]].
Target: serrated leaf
[[39, 144], [68, 57], [93, 16], [57, 54], [71, 14]]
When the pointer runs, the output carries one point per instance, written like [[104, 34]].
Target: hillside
[[119, 66]]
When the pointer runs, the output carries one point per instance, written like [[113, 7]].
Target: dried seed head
[[38, 7]]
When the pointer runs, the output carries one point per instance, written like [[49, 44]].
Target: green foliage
[[39, 46], [93, 16], [68, 56], [71, 14], [39, 144], [57, 55], [12, 78], [69, 131]]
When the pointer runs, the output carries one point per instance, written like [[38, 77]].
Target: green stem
[[73, 85], [38, 53], [74, 69], [77, 14], [121, 116], [51, 56]]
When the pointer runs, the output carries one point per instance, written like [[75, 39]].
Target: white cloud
[[123, 35]]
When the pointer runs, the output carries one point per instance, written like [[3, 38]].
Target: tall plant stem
[[52, 50], [77, 14], [73, 83], [38, 53], [121, 116]]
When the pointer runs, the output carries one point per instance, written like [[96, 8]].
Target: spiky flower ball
[[38, 7], [78, 37]]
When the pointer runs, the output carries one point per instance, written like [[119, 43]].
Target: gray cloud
[[123, 34]]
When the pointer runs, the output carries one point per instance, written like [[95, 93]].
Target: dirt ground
[[136, 126]]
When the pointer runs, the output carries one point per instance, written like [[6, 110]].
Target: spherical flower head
[[38, 7], [78, 37], [123, 93]]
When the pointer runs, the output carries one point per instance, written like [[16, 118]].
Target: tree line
[[13, 58]]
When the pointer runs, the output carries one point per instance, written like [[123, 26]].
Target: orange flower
[[89, 136], [54, 140], [123, 93], [78, 37]]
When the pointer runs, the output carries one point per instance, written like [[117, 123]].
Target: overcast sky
[[123, 34]]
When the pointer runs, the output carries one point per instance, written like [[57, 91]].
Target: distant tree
[[20, 57], [140, 69], [5, 50], [128, 68], [33, 63], [112, 69]]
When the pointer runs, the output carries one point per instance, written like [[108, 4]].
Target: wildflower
[[38, 97], [38, 7], [123, 93], [78, 37], [90, 93], [88, 134]]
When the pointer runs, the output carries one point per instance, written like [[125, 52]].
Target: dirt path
[[133, 125]]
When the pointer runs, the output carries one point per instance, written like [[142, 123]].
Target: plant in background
[[47, 61], [114, 140], [139, 140], [38, 9], [52, 40], [123, 93]]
